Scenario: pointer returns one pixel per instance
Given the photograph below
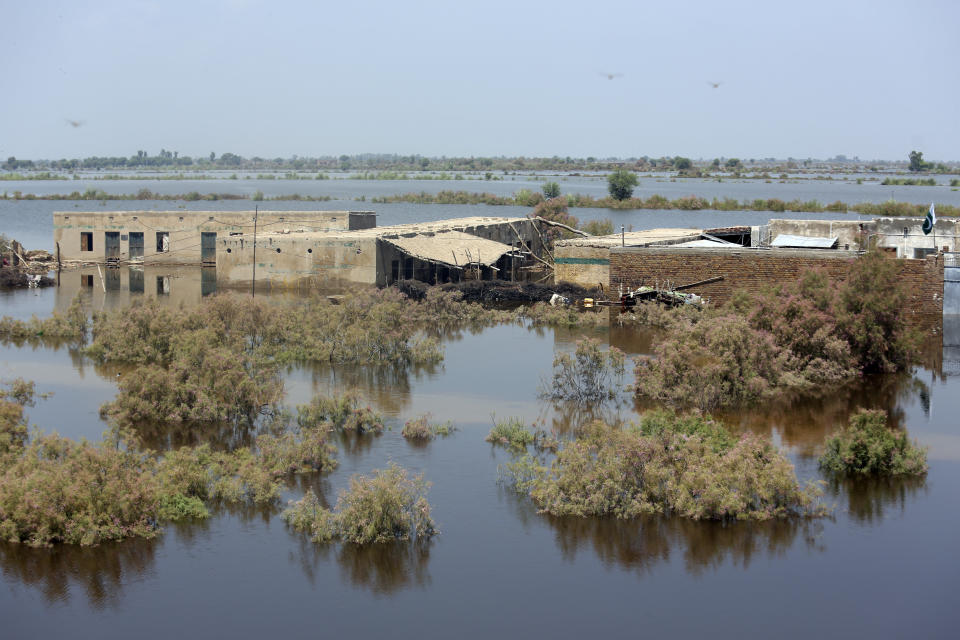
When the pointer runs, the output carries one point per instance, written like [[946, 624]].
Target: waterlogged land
[[495, 552]]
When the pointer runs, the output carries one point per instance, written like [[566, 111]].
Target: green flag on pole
[[929, 221]]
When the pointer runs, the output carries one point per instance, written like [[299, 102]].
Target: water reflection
[[870, 499], [645, 542], [804, 423], [65, 571], [379, 568]]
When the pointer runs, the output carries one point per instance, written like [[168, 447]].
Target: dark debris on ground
[[497, 290]]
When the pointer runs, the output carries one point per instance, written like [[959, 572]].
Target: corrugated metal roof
[[804, 242], [454, 248]]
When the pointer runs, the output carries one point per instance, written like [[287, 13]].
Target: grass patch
[[866, 446], [512, 433]]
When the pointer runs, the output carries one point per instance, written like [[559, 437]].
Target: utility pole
[[253, 291]]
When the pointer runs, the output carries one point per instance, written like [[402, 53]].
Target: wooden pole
[[253, 284]]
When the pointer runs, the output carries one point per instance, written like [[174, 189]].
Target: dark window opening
[[163, 285], [86, 281], [163, 241], [86, 241], [136, 245]]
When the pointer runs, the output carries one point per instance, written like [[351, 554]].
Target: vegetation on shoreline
[[685, 203], [527, 198], [867, 446], [389, 505], [687, 466]]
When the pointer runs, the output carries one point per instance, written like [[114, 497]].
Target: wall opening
[[86, 280], [163, 241], [86, 241], [163, 285], [208, 247], [136, 245], [111, 245]]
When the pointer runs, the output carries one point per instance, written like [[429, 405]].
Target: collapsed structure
[[727, 259]]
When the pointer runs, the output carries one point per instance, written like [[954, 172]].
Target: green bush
[[610, 472], [867, 446], [339, 413], [598, 227], [383, 507], [801, 337], [420, 428], [511, 433]]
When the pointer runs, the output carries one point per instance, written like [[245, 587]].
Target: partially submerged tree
[[621, 183]]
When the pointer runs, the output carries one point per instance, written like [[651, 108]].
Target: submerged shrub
[[339, 413], [794, 338], [213, 385], [589, 375], [510, 433], [383, 507], [420, 428], [611, 472], [70, 325], [61, 491], [867, 446]]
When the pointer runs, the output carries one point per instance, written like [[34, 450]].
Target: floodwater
[[843, 187], [884, 565]]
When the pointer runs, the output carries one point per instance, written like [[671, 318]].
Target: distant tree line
[[381, 162]]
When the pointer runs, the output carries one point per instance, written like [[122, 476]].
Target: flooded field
[[499, 567]]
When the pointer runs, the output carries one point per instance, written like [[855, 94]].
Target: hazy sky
[[272, 78]]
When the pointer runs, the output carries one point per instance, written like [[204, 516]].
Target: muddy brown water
[[884, 565]]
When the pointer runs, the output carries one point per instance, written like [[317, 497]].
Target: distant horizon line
[[175, 155]]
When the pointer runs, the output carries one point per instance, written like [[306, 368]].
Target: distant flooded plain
[[883, 565]]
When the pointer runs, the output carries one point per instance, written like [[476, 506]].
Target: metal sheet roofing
[[712, 244], [454, 248], [804, 242]]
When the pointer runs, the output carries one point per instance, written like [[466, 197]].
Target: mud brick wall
[[753, 269]]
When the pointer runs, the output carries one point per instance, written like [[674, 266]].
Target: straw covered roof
[[454, 248]]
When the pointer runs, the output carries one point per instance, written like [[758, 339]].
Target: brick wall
[[753, 269]]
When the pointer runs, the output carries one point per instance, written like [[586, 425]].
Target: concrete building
[[297, 248], [179, 237]]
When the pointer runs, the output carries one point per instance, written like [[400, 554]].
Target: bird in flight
[[610, 76], [74, 123], [715, 85]]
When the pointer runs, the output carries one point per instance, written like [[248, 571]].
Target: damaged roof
[[454, 248]]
